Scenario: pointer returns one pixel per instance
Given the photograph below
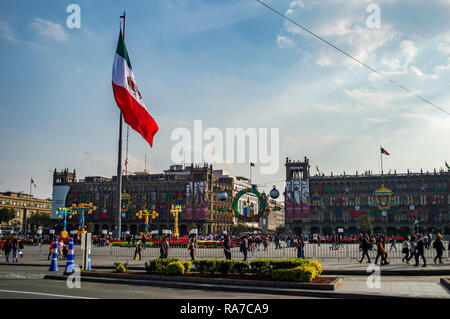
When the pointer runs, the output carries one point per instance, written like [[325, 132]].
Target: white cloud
[[49, 29], [444, 47], [284, 42], [324, 61], [409, 49]]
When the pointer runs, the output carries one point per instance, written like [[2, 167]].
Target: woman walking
[[227, 247], [365, 246], [138, 250]]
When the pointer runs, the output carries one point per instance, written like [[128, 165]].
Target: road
[[26, 282]]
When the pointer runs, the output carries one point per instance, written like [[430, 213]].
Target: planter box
[[332, 283]]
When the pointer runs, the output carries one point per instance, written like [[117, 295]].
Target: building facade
[[195, 188], [24, 206], [394, 202]]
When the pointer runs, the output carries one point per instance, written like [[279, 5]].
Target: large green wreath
[[261, 198]]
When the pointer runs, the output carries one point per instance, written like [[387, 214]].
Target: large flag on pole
[[128, 97], [383, 151], [32, 182]]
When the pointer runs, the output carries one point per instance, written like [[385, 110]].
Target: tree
[[365, 224], [39, 219], [90, 227], [192, 226], [6, 215]]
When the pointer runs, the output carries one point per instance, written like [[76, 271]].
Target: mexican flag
[[383, 151], [128, 97], [32, 182]]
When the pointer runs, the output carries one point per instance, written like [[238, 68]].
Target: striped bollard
[[70, 260], [54, 263], [89, 261]]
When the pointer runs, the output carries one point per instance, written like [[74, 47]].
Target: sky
[[231, 64]]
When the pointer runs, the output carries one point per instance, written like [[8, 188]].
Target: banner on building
[[200, 200], [189, 201], [289, 200], [58, 199]]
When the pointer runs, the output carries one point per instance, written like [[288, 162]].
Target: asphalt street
[[26, 282]]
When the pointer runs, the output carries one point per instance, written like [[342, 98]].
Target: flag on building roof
[[128, 97], [448, 167], [383, 151], [252, 164], [32, 182]]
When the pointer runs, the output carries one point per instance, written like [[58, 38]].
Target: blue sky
[[231, 64]]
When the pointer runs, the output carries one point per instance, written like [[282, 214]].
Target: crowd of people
[[413, 246]]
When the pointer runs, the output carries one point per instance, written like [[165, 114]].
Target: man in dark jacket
[[244, 246], [439, 246], [419, 251], [227, 247], [365, 246]]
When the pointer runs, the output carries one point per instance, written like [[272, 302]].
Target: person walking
[[405, 250], [144, 240], [227, 247], [365, 246], [419, 251], [137, 251], [61, 248], [165, 247], [300, 246], [191, 246], [381, 252], [277, 242], [393, 243], [412, 248], [439, 246], [15, 250], [7, 248], [244, 246]]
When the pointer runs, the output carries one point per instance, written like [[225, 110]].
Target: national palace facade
[[329, 204]]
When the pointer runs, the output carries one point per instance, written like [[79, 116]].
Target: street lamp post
[[65, 211], [81, 208], [175, 210]]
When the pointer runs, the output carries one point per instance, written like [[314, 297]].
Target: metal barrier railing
[[311, 251]]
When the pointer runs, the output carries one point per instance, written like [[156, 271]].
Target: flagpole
[[118, 226], [381, 158]]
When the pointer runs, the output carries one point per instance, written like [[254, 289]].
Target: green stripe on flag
[[122, 49]]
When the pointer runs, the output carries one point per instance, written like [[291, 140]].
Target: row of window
[[24, 204]]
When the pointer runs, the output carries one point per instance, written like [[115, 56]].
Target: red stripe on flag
[[134, 114]]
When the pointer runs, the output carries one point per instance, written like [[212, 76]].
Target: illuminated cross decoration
[[81, 208], [146, 214], [175, 210], [65, 211]]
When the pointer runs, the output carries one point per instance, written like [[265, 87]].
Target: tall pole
[[118, 226], [381, 159]]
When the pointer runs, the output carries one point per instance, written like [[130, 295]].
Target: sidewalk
[[330, 266]]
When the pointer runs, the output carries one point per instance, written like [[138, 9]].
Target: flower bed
[[294, 269]]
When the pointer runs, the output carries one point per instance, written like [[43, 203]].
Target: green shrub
[[261, 266], [205, 265], [303, 273], [159, 265], [288, 263], [119, 267], [175, 268], [187, 266], [241, 267], [224, 266]]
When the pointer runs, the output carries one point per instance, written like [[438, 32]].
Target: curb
[[219, 281], [334, 272], [249, 289], [445, 282]]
